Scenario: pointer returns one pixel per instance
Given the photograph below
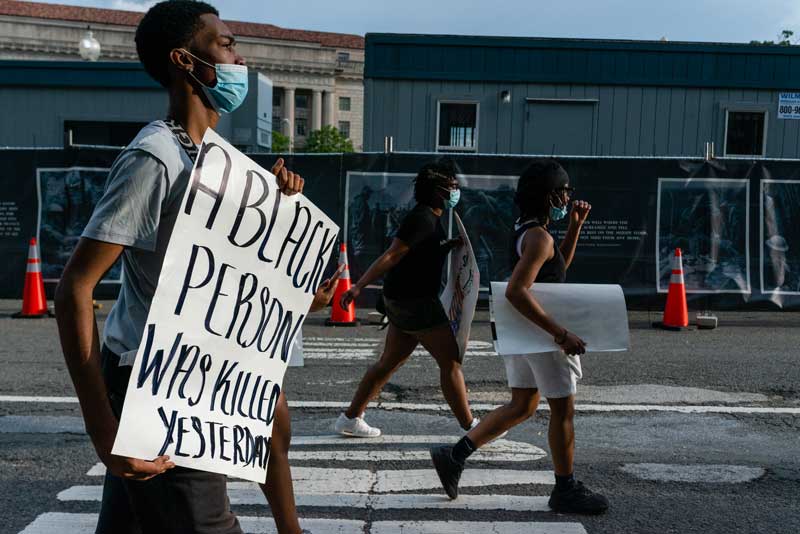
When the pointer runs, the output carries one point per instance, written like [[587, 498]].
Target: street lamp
[[89, 47], [288, 132]]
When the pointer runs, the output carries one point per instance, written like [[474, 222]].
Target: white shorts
[[554, 374]]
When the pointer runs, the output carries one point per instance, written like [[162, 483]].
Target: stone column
[[288, 111], [330, 110], [316, 110]]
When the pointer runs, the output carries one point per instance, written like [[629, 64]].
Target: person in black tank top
[[412, 270], [543, 196]]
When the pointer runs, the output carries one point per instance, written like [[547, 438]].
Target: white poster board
[[460, 295], [239, 276], [789, 106], [296, 358], [596, 313]]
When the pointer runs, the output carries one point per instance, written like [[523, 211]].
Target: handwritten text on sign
[[460, 295], [239, 275]]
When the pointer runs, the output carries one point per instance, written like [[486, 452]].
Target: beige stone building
[[317, 76]]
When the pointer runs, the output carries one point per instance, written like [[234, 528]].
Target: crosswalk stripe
[[246, 494], [76, 523], [423, 479], [502, 450], [423, 407], [402, 456], [66, 523], [462, 527], [350, 341], [361, 354], [324, 481]]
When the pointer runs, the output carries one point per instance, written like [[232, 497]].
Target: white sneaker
[[355, 427], [476, 421]]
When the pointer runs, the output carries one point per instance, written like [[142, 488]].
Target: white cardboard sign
[[460, 295], [239, 276], [595, 313]]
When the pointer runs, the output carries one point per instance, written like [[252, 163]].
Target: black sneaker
[[447, 468], [577, 499]]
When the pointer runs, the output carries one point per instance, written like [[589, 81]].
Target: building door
[[559, 127]]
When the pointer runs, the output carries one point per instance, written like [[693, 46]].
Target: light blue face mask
[[231, 88], [455, 196], [556, 214]]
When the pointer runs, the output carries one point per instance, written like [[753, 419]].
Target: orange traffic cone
[[676, 314], [339, 315], [34, 302]]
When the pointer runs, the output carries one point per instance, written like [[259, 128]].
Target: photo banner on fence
[[596, 313], [238, 278], [732, 218], [460, 295]]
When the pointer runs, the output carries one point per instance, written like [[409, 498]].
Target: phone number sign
[[789, 106]]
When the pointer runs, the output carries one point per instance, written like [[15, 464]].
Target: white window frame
[[477, 125], [745, 109], [349, 104]]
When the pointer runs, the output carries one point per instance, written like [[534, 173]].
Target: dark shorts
[[416, 316], [180, 501]]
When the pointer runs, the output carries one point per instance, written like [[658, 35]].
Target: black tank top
[[554, 270]]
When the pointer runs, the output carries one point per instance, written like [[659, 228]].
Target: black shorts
[[180, 501], [416, 316]]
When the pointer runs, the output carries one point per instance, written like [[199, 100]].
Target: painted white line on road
[[97, 470], [711, 474], [41, 424], [473, 344], [63, 523], [462, 527], [497, 446], [49, 400], [313, 339], [330, 481], [266, 525], [307, 480], [423, 479], [333, 350], [360, 354], [399, 456], [509, 503], [501, 450], [421, 407], [325, 480], [60, 523], [249, 494]]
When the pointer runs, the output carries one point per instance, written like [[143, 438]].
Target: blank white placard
[[594, 312]]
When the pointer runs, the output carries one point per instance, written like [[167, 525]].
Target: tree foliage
[[280, 142], [327, 139], [786, 38]]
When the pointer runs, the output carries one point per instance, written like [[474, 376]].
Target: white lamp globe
[[89, 47]]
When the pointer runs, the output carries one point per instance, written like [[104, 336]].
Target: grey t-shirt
[[142, 198]]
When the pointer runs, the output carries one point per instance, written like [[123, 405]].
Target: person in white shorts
[[543, 197]]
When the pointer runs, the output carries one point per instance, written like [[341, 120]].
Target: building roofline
[[575, 43], [581, 61], [107, 74], [88, 15]]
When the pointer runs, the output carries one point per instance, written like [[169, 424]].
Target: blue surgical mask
[[455, 196], [556, 214], [231, 88]]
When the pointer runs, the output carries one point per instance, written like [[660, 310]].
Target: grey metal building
[[580, 97], [61, 103]]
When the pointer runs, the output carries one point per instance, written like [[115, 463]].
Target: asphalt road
[[694, 431]]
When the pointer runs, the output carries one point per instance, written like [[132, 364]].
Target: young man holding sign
[[543, 196], [189, 50]]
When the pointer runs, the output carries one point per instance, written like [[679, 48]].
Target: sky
[[677, 20]]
